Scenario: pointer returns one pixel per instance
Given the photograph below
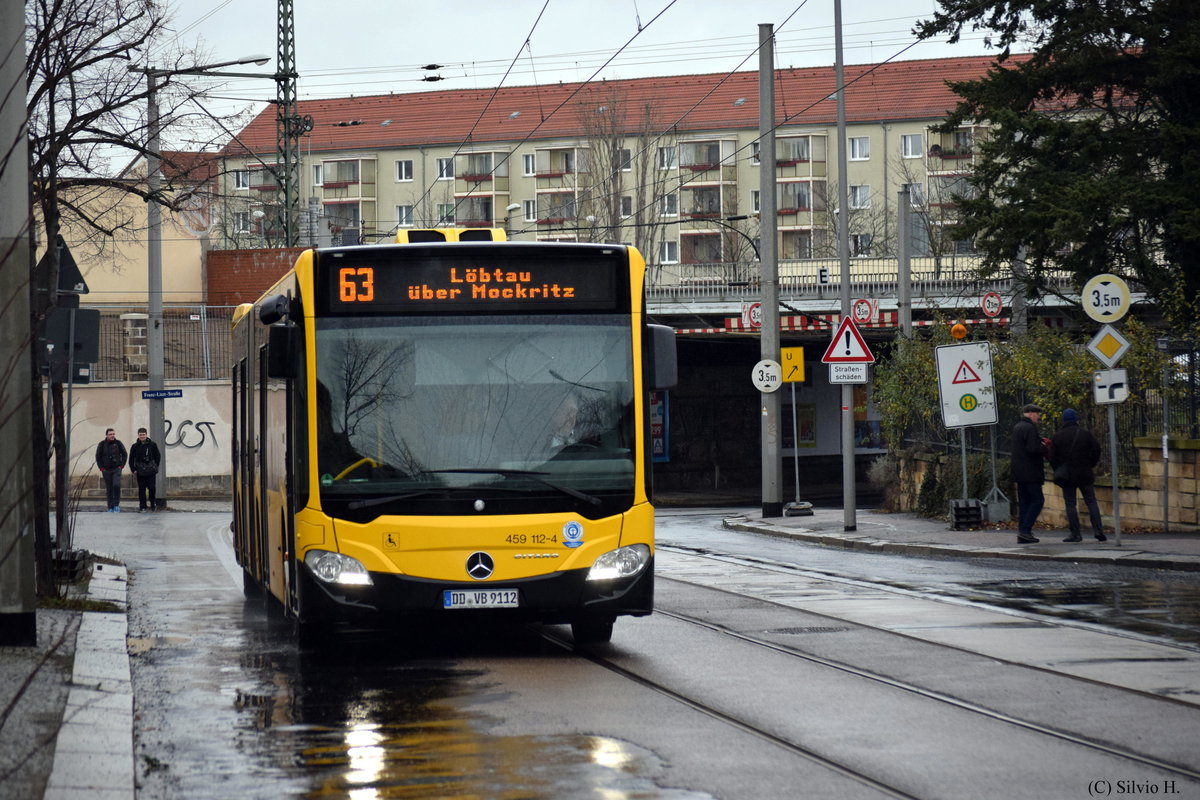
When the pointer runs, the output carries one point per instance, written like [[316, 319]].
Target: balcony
[[476, 177], [476, 223]]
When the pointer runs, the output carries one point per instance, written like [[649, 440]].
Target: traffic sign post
[[968, 396], [793, 364], [847, 346], [1110, 386], [1108, 345], [1105, 298], [965, 384], [767, 376], [847, 373], [991, 304]]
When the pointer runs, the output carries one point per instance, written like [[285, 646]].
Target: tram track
[[592, 655], [866, 778]]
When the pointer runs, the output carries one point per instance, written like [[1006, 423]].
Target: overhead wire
[[571, 96]]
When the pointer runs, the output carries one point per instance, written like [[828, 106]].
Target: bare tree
[[871, 232], [624, 186], [87, 120]]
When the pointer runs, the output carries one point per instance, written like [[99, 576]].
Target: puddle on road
[[369, 724], [1154, 608]]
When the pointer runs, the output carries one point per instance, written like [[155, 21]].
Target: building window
[[318, 174], [404, 216], [625, 159], [530, 208], [916, 193], [794, 150], [666, 158], [626, 206], [445, 213], [860, 148], [860, 196], [860, 244], [445, 168], [912, 145], [241, 179], [668, 252], [668, 205], [755, 201], [755, 153], [404, 171], [241, 222], [529, 165]]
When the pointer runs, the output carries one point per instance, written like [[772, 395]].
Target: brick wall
[[241, 276]]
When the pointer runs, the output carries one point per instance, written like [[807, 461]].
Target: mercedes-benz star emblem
[[479, 565]]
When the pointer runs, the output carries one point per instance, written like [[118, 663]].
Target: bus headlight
[[624, 562], [337, 568]]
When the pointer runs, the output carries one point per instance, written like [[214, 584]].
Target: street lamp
[[507, 213], [154, 329]]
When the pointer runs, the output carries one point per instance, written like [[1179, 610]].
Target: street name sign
[[159, 394]]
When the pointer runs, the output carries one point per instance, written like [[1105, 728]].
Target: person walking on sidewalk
[[1079, 450], [144, 459], [1029, 471], [110, 458]]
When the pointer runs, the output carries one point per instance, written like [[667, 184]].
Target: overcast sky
[[378, 46]]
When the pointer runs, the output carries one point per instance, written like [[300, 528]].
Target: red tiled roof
[[895, 91]]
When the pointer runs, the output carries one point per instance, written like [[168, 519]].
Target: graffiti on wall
[[190, 435]]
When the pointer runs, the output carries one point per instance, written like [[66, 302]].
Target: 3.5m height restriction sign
[[965, 384]]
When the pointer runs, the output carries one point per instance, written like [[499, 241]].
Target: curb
[[93, 755], [854, 541]]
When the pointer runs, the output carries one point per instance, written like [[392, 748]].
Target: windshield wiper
[[522, 473], [378, 501]]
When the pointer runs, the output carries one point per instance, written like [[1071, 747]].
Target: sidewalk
[[94, 756], [910, 534]]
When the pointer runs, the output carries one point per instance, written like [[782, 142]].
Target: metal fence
[[1141, 415], [196, 343]]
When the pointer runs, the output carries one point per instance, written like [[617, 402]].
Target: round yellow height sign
[[1105, 298]]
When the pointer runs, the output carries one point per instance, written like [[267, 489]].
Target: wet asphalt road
[[228, 707]]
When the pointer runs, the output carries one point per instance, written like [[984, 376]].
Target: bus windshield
[[458, 414]]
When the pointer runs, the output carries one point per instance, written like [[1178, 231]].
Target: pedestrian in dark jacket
[[110, 458], [1079, 449], [144, 459], [1028, 470]]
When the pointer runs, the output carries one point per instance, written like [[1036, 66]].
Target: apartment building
[[674, 166], [662, 163]]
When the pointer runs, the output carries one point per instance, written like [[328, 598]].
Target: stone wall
[[1141, 497]]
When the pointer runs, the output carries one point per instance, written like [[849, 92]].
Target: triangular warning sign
[[964, 374], [847, 346]]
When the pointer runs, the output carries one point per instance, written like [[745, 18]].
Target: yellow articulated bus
[[448, 429]]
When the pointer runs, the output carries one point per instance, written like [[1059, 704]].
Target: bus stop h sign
[[965, 384]]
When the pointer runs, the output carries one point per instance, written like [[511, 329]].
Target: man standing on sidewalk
[[1028, 470], [1079, 449], [110, 458]]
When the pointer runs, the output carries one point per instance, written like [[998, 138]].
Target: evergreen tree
[[1091, 165]]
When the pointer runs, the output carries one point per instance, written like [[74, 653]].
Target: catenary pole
[[772, 453], [849, 499]]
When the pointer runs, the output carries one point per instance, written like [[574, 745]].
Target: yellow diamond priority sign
[[1108, 345]]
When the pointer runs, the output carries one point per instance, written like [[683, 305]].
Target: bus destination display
[[358, 285]]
